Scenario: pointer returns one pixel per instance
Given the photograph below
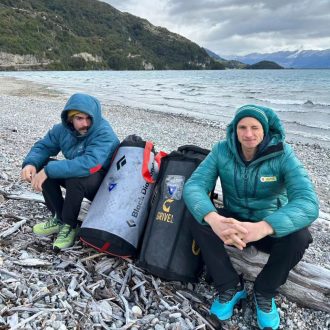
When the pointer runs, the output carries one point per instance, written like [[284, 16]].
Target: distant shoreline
[[226, 69]]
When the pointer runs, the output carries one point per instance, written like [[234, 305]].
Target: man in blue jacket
[[87, 143], [268, 201]]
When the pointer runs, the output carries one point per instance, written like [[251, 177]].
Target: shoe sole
[[45, 235]]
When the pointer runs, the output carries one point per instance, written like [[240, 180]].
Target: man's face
[[250, 133], [81, 123]]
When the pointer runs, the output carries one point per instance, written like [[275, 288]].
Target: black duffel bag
[[168, 249]]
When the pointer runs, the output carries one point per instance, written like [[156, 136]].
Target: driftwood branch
[[12, 229], [308, 284]]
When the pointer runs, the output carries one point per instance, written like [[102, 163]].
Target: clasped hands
[[29, 174], [237, 233]]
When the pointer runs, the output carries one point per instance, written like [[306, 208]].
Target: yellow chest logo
[[268, 179]]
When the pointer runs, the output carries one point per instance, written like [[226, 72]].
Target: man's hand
[[28, 172], [38, 180], [229, 230], [257, 230]]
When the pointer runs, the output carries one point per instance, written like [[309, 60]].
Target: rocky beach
[[80, 288]]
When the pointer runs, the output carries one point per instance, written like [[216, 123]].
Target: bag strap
[[146, 159], [145, 165], [159, 156]]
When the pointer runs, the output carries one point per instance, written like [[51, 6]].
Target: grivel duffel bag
[[168, 249], [117, 216]]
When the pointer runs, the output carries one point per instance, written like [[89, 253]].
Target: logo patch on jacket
[[268, 179]]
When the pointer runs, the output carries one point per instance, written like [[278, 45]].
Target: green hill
[[88, 34], [264, 65]]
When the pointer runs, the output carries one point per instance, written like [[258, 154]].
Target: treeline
[[61, 32]]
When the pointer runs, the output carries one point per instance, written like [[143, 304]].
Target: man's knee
[[197, 228], [74, 182], [299, 240]]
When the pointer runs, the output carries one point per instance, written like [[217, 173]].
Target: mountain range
[[300, 59]]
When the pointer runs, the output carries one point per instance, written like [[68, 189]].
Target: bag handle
[[193, 148], [145, 165], [146, 159], [159, 156]]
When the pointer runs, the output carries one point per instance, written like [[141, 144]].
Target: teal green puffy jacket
[[84, 154], [274, 187]]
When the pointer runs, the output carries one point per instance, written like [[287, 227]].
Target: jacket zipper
[[235, 179], [246, 185], [256, 182]]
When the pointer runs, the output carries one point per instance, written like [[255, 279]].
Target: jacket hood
[[83, 103], [276, 130]]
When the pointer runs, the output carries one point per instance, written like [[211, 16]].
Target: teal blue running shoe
[[267, 314], [223, 306]]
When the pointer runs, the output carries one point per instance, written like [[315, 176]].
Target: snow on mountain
[[302, 59]]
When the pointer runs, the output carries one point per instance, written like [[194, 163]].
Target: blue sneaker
[[223, 306], [267, 314]]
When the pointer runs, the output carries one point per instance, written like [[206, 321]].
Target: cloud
[[238, 26]]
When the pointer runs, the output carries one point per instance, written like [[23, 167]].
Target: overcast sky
[[240, 27]]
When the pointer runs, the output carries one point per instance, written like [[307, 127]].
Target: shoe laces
[[227, 295], [51, 222], [265, 304], [64, 231]]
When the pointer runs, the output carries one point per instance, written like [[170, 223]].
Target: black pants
[[67, 209], [284, 254]]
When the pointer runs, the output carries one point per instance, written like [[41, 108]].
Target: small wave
[[150, 90], [318, 126], [317, 104], [293, 102], [189, 93], [174, 98], [312, 136], [281, 102], [189, 85]]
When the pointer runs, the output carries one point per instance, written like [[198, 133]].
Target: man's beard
[[83, 131]]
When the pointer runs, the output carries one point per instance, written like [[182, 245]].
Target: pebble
[[137, 312]]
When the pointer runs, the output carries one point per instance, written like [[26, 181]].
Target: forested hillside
[[88, 34]]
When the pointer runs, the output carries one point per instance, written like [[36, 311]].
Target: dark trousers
[[67, 209], [284, 254]]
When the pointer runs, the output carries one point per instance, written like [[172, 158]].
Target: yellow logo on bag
[[195, 249], [166, 216], [268, 179], [166, 207]]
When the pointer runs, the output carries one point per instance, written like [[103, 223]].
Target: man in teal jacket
[[87, 143], [268, 201]]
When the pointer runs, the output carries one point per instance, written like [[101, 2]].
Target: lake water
[[300, 97]]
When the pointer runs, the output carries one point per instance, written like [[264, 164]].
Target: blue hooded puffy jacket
[[84, 154]]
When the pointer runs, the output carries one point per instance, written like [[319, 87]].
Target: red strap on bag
[[146, 158]]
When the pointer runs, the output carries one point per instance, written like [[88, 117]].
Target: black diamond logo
[[121, 162]]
